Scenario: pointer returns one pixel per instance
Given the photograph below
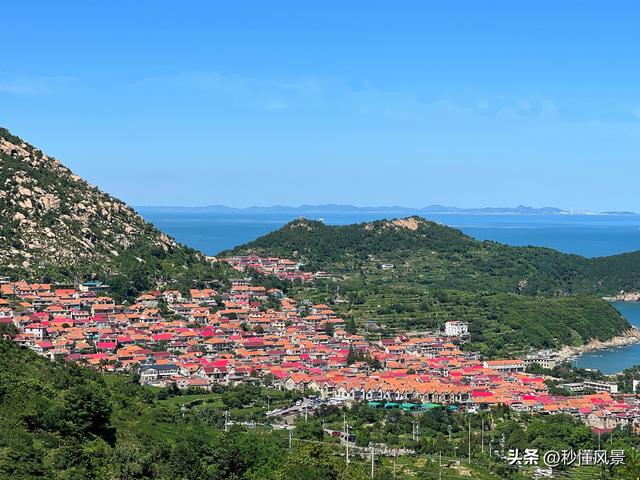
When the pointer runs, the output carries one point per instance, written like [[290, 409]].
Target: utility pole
[[226, 421], [372, 460], [305, 413], [469, 440], [395, 454], [440, 467], [346, 442], [482, 436], [290, 439]]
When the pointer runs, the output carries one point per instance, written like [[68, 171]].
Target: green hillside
[[431, 254], [514, 297], [63, 422]]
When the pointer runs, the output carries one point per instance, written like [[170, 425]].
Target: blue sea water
[[613, 360], [587, 235]]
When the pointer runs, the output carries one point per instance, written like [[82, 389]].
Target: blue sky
[[366, 103]]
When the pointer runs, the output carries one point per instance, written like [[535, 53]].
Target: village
[[251, 334], [282, 268]]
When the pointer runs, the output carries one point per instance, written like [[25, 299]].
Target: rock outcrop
[[627, 297], [52, 222], [628, 337]]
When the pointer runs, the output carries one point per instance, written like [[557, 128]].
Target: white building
[[590, 385], [601, 386], [151, 373], [513, 365], [456, 328], [545, 358]]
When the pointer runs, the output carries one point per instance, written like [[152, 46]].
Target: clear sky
[[368, 103]]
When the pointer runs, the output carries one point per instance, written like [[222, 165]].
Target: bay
[[614, 360]]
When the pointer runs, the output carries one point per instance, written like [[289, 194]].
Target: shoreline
[[629, 337], [633, 297]]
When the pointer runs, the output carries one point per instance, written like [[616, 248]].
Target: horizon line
[[445, 208]]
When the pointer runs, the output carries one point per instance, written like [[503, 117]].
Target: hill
[[442, 256], [55, 226], [514, 297]]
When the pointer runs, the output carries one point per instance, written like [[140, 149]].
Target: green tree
[[329, 329], [362, 437], [309, 430], [86, 409], [22, 462], [8, 330], [631, 468], [130, 462], [317, 462], [185, 463], [350, 326], [352, 356]]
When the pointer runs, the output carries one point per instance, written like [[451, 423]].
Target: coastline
[[632, 297], [628, 337]]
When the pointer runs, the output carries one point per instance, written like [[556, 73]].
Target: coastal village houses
[[234, 336]]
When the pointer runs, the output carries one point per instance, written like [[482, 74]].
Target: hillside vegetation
[[514, 297], [442, 256], [67, 422], [55, 226], [63, 422]]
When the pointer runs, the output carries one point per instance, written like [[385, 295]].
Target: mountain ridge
[[341, 208]]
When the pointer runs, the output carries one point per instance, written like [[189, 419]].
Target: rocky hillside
[[55, 225]]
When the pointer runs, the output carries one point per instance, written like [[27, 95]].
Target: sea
[[614, 360], [586, 235]]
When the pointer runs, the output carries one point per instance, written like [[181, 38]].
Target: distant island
[[333, 209]]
